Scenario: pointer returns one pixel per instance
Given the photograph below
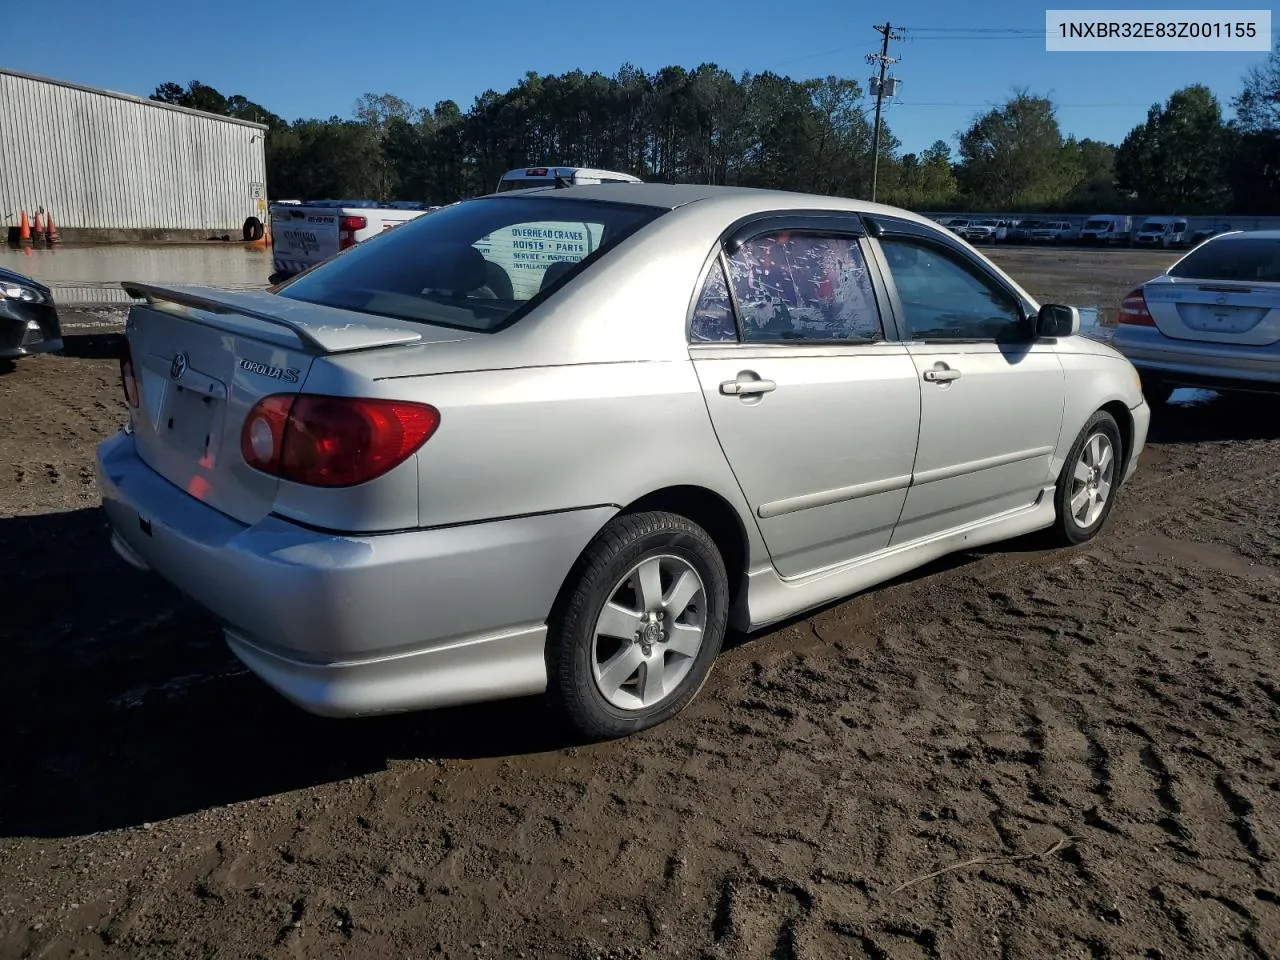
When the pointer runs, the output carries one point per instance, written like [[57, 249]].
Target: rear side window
[[713, 320], [1248, 259], [475, 265], [804, 286]]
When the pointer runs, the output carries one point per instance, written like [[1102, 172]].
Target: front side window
[[473, 265], [946, 299], [804, 286]]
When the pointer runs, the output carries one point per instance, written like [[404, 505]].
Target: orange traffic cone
[[24, 232], [37, 231], [51, 231]]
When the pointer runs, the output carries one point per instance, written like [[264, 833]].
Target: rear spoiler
[[321, 329]]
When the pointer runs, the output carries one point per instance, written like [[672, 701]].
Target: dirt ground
[[1014, 753]]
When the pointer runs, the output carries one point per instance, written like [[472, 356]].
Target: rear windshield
[[1250, 259], [474, 265]]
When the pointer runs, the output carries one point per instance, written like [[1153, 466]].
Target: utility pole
[[882, 58]]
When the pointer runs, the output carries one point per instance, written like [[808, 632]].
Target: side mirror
[[1056, 320]]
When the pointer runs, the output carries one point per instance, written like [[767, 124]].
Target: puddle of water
[[92, 275], [1193, 397], [1092, 326]]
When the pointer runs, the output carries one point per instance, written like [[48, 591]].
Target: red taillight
[[1133, 310], [262, 436], [333, 441], [127, 379], [347, 227]]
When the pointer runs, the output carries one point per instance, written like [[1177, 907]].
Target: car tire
[[1075, 497], [587, 669]]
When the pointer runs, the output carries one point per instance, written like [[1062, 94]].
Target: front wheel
[[1089, 480], [640, 624]]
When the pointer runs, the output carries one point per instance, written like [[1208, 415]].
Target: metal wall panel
[[109, 161]]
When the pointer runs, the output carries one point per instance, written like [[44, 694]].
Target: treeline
[[766, 130]]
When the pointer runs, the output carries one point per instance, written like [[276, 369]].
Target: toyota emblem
[[179, 366]]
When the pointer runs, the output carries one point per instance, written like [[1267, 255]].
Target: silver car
[[560, 440], [1210, 320]]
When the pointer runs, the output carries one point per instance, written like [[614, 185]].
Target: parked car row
[[1104, 229]]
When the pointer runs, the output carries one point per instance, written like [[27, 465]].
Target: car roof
[[1248, 235], [669, 196]]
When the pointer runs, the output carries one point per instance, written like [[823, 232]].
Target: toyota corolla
[[558, 441]]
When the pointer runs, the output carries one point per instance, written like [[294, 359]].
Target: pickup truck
[[303, 234]]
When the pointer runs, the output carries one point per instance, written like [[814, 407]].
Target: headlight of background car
[[16, 291]]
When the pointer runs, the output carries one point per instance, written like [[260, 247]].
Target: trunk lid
[[203, 357], [1215, 311]]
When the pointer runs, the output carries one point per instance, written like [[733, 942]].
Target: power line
[[815, 56], [1072, 106]]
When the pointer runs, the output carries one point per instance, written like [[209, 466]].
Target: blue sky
[[315, 58]]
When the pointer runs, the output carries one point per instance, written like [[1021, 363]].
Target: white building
[[111, 166]]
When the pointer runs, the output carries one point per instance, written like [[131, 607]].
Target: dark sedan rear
[[28, 318]]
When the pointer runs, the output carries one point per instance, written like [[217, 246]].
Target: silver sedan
[[1210, 320], [560, 440]]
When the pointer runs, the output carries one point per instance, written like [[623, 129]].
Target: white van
[[1163, 232], [1107, 228], [527, 178]]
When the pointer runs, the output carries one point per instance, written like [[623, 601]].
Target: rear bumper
[[358, 624], [1217, 366]]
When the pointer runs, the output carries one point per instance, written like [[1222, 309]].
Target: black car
[[1204, 233], [28, 318]]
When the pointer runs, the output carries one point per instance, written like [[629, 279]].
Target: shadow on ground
[[1198, 416], [93, 346], [123, 704]]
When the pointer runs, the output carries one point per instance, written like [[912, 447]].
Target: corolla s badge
[[179, 366], [287, 374]]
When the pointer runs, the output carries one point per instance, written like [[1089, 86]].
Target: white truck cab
[[304, 234]]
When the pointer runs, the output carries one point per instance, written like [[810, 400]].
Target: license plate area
[[191, 419], [1214, 318]]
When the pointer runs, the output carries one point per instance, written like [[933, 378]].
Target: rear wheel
[[1089, 480], [641, 622]]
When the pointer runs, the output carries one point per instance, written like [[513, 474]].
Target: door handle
[[747, 388], [944, 375]]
